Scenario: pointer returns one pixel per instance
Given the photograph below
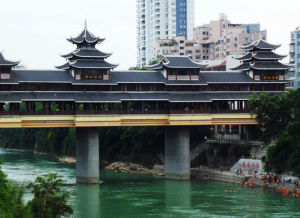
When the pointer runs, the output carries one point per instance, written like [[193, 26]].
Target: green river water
[[128, 195]]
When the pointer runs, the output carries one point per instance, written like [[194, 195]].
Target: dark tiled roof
[[269, 66], [53, 76], [181, 62], [92, 64], [137, 77], [260, 45], [158, 66], [268, 55], [261, 55], [242, 67], [90, 53], [62, 76], [226, 77], [87, 36], [49, 76], [4, 62], [65, 66], [246, 57], [69, 55]]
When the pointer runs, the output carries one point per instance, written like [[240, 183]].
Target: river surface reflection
[[128, 195]]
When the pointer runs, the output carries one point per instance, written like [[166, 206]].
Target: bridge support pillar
[[177, 153], [87, 155]]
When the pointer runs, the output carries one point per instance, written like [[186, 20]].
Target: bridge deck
[[124, 120]]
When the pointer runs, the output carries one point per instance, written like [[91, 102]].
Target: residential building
[[161, 19], [214, 41], [294, 73], [221, 38], [178, 46]]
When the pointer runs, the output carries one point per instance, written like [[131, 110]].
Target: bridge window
[[131, 87], [146, 87]]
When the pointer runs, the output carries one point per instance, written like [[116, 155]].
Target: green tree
[[49, 200], [279, 118], [156, 60], [273, 113], [138, 68], [11, 204]]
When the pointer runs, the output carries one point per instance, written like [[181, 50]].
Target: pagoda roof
[[87, 53], [69, 55], [268, 55], [91, 64], [260, 55], [183, 62], [260, 45], [269, 66], [4, 62], [86, 36], [242, 67], [246, 57], [90, 53], [65, 66]]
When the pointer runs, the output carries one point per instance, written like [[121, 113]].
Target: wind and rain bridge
[[176, 93]]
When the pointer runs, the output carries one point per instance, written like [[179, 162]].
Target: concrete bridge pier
[[177, 153], [87, 155]]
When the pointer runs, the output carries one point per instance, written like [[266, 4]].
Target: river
[[130, 195]]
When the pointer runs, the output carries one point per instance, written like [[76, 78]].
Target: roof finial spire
[[85, 25]]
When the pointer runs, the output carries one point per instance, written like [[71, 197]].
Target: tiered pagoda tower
[[6, 67], [261, 62], [87, 62]]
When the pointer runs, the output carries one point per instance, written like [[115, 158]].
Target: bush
[[49, 200]]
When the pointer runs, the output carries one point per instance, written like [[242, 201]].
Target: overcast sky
[[35, 31]]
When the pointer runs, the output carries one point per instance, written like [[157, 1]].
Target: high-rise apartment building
[[294, 73], [161, 19], [214, 41]]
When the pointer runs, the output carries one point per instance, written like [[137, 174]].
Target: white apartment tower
[[161, 19]]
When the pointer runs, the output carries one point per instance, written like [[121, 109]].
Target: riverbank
[[206, 173], [63, 159], [25, 150]]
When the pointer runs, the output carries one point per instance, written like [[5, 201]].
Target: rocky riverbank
[[67, 159], [128, 168]]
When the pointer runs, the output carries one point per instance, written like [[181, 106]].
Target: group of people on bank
[[284, 186]]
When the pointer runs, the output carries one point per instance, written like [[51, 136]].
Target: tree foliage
[[49, 200], [138, 68], [156, 60], [272, 112], [11, 204], [279, 118]]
